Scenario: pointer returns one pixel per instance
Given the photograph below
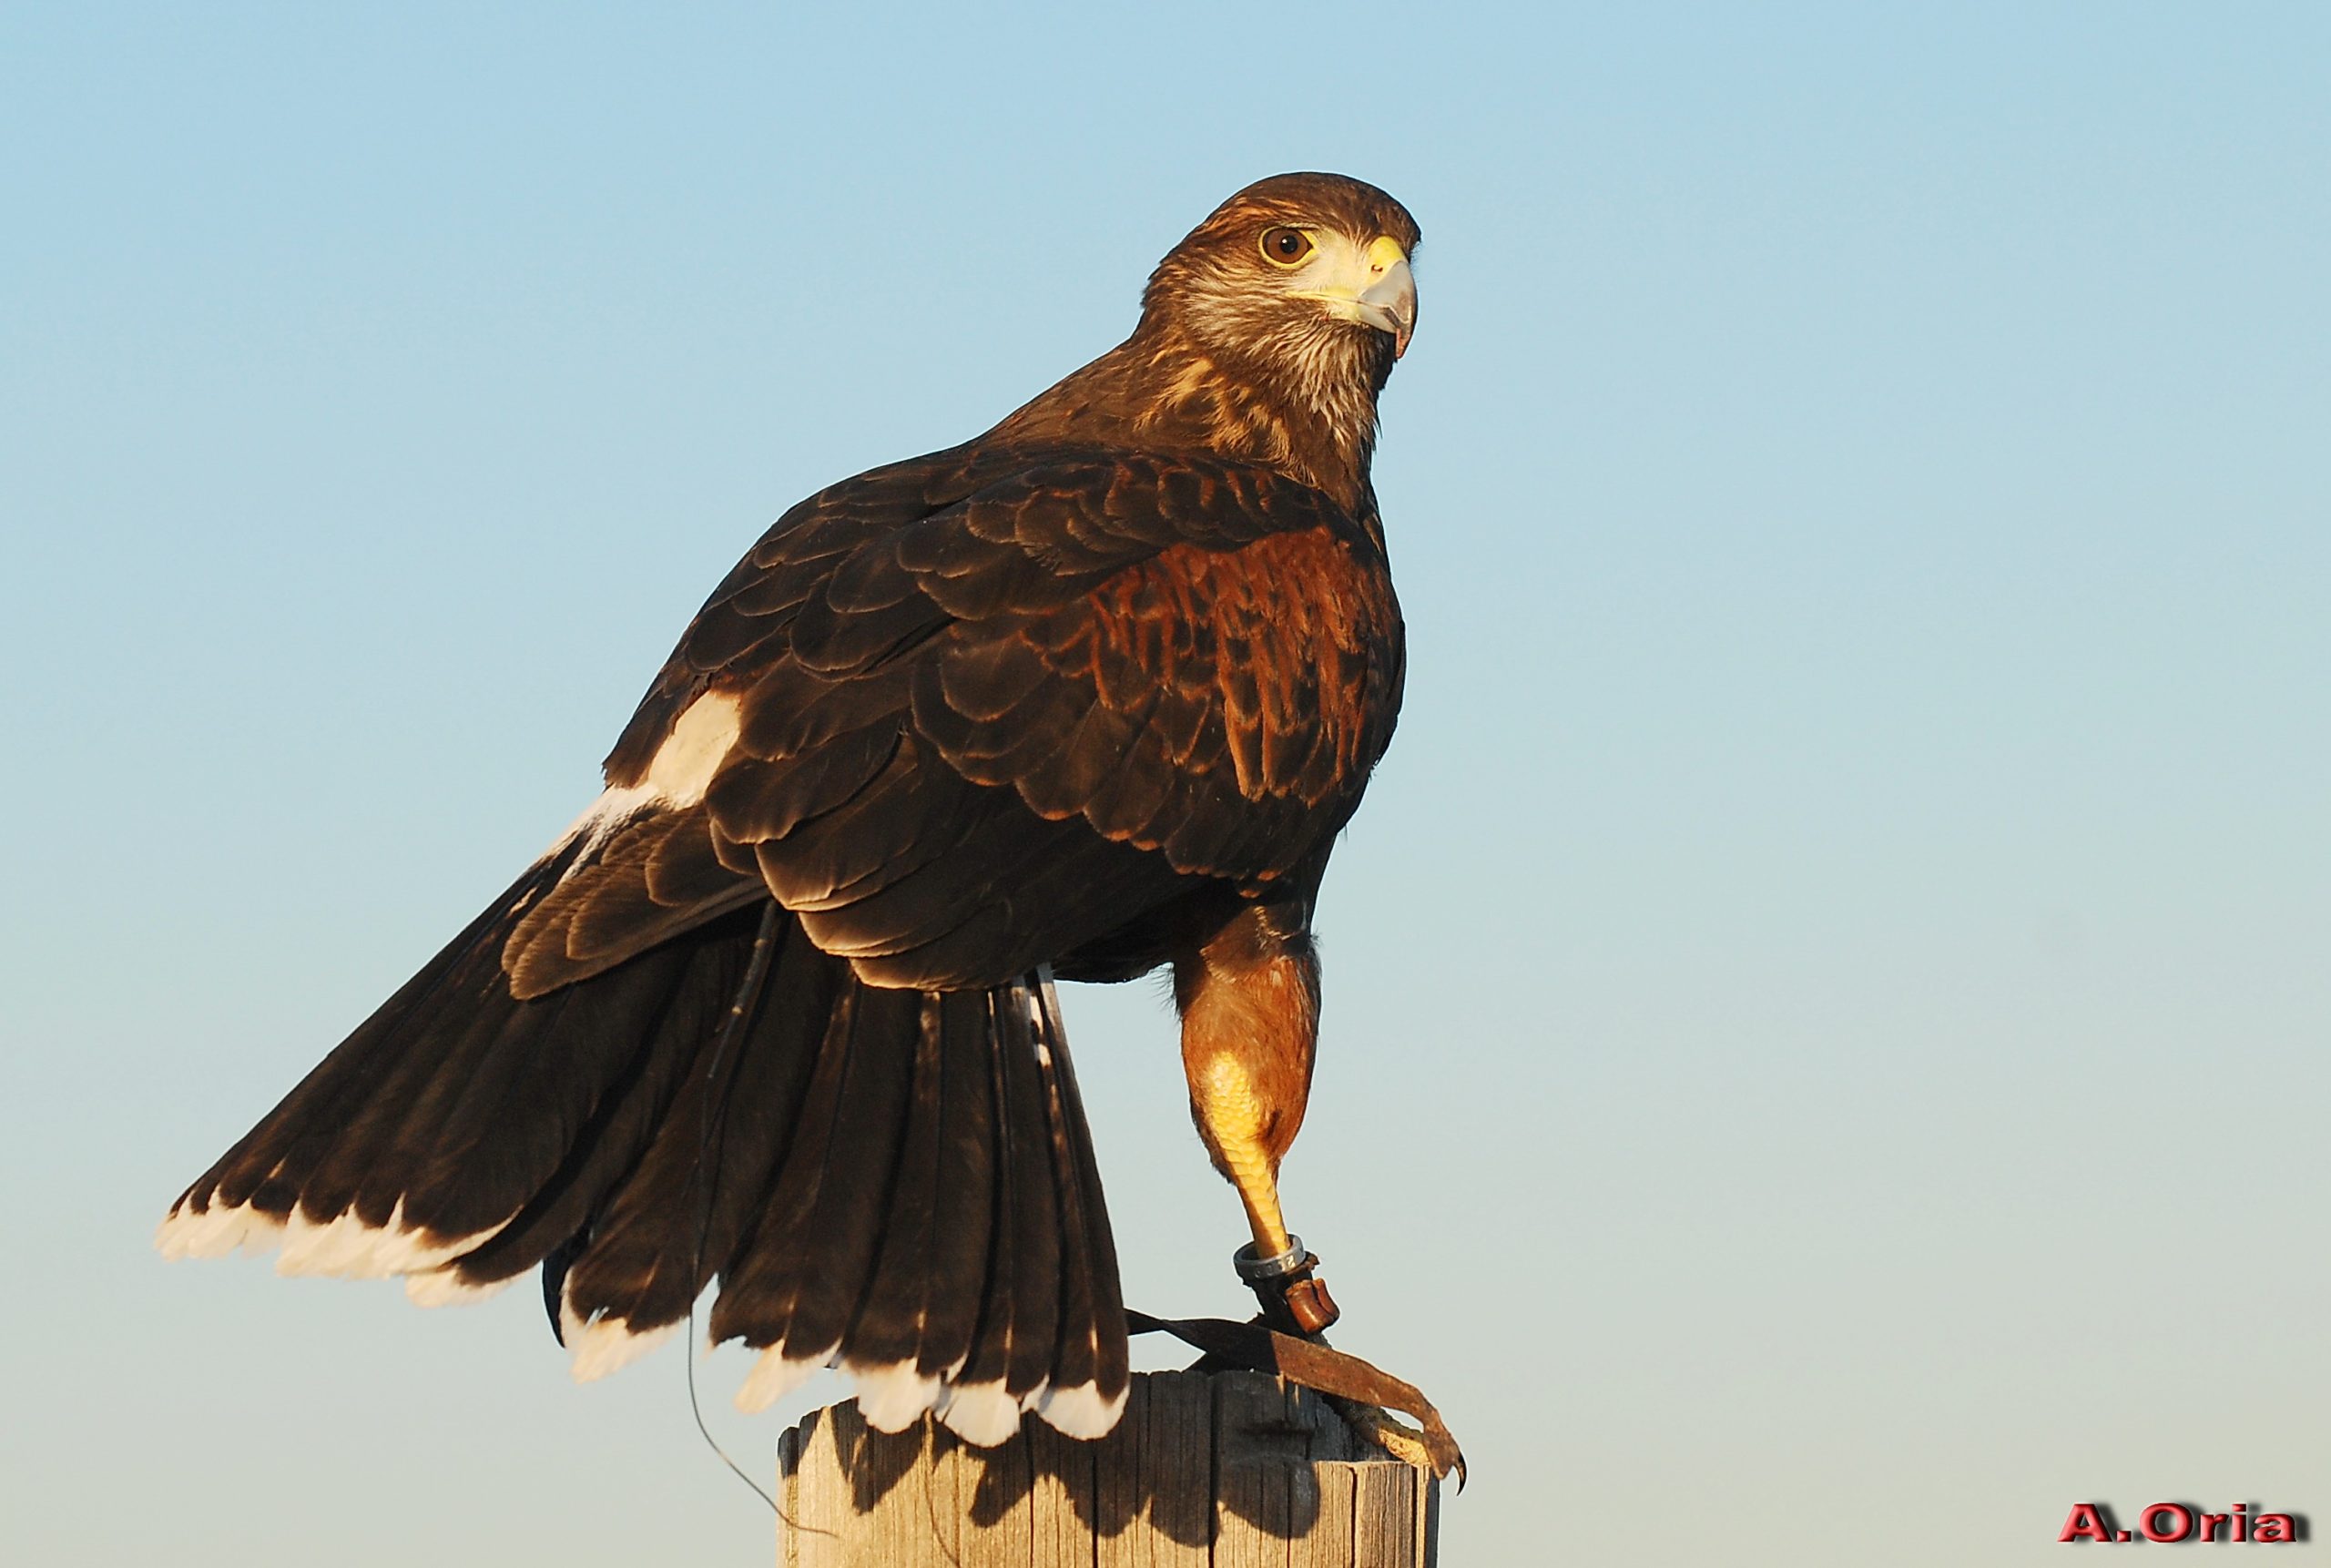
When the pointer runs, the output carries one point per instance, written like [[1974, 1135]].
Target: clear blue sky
[[1827, 1002]]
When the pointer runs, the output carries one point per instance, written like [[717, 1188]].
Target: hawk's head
[[1301, 281]]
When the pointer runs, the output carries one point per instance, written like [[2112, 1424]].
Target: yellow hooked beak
[[1374, 287]]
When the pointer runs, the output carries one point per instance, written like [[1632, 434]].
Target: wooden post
[[1231, 1470]]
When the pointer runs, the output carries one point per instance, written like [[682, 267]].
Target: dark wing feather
[[996, 706]]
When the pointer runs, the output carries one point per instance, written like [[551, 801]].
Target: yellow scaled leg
[[1249, 1000], [1236, 1125]]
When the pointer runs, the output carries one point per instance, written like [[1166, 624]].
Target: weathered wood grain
[[1234, 1470]]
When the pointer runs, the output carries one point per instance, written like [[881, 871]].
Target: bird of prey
[[1087, 696]]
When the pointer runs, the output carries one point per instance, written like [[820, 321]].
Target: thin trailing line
[[748, 994]]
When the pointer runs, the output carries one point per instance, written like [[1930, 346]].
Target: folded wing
[[989, 709]]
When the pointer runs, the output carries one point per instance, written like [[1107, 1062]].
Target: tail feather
[[854, 1193], [889, 1328], [505, 1139], [897, 1182], [1091, 1359], [370, 1168], [963, 1217], [763, 1282], [292, 1170], [268, 1168], [1035, 1211], [662, 1220], [596, 1145]]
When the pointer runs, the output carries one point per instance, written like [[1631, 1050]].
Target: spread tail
[[899, 1183]]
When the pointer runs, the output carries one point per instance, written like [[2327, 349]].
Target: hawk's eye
[[1286, 246]]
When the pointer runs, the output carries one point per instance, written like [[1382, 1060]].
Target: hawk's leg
[[1249, 1000]]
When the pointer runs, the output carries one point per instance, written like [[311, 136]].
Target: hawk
[[1087, 696]]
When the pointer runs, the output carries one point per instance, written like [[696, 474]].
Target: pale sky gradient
[[1827, 1000]]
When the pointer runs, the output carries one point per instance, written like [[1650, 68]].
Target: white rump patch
[[683, 767], [777, 1374], [599, 820], [676, 778]]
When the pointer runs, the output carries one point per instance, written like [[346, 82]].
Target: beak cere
[[1390, 303], [1373, 288], [1388, 295]]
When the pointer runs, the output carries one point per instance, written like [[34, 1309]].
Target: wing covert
[[994, 708]]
